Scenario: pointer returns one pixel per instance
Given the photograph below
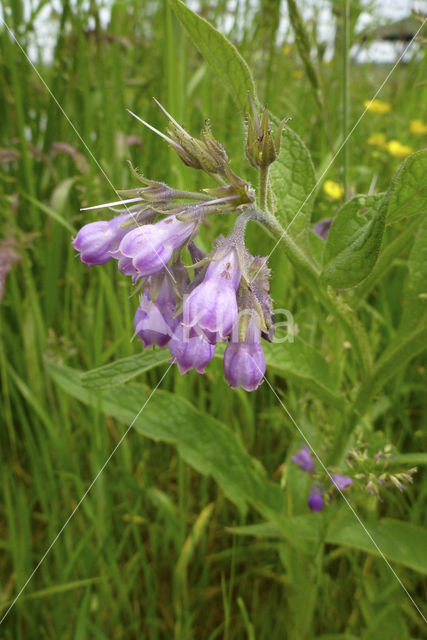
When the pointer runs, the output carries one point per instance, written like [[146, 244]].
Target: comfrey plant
[[226, 298]]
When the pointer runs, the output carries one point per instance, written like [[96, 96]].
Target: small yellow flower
[[377, 106], [297, 73], [418, 127], [287, 49], [333, 189], [398, 150], [377, 140]]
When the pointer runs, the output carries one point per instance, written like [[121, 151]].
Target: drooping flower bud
[[97, 240], [150, 247], [212, 305], [190, 351], [303, 459], [244, 361], [261, 148]]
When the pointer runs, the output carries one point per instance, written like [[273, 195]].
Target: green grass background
[[148, 554]]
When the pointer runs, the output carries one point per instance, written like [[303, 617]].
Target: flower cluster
[[319, 494], [220, 297], [372, 469]]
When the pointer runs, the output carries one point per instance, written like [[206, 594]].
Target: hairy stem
[[263, 188]]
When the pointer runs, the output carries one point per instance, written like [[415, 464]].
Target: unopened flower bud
[[261, 147]]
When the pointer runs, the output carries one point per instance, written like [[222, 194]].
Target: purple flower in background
[[315, 499], [323, 227], [151, 246], [341, 482], [212, 305], [303, 459], [191, 351], [244, 362], [97, 240]]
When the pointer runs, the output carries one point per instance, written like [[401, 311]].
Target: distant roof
[[404, 29]]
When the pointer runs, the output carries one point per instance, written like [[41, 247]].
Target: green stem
[[346, 45], [263, 188]]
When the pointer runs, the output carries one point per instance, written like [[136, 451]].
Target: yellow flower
[[377, 140], [297, 73], [398, 150], [333, 189], [377, 106], [418, 127], [287, 49]]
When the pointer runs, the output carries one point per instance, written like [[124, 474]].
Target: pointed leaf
[[219, 53], [120, 371]]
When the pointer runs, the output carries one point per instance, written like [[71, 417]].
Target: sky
[[383, 11]]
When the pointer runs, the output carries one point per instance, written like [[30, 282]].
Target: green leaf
[[400, 542], [415, 289], [203, 442], [293, 179], [409, 188], [303, 364], [354, 241], [115, 373], [219, 53]]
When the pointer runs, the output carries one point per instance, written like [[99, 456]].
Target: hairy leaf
[[292, 179], [409, 188], [354, 241], [415, 289], [219, 53]]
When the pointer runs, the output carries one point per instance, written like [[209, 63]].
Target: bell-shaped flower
[[244, 361], [315, 499], [154, 319], [150, 246], [96, 241], [303, 459], [189, 350], [212, 306]]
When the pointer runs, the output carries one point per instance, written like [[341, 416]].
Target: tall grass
[[148, 554]]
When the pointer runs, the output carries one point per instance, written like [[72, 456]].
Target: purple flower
[[151, 246], [191, 351], [322, 228], [315, 499], [341, 482], [303, 459], [97, 240], [244, 362], [154, 319], [212, 305]]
